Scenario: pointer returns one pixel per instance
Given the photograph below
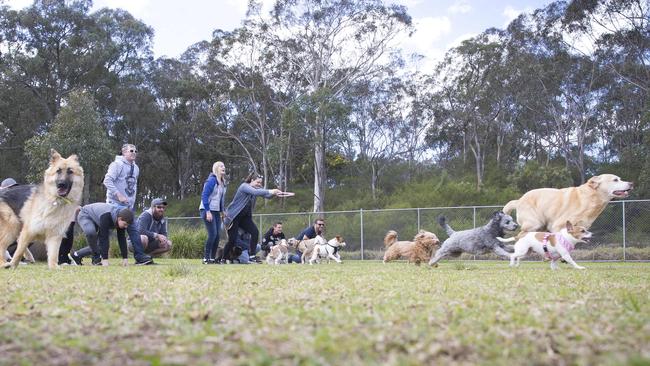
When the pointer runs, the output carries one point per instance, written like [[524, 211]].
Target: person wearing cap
[[9, 182], [121, 181], [152, 226], [96, 221]]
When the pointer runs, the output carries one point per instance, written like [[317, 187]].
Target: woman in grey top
[[239, 213], [211, 209]]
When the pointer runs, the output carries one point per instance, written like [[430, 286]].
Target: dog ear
[[54, 156], [569, 226], [496, 215], [74, 157], [594, 182]]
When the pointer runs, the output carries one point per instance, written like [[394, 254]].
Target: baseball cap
[[158, 201], [9, 182]]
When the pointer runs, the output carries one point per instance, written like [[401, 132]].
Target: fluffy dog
[[549, 209], [235, 253], [278, 253], [417, 251], [476, 241], [306, 246], [328, 251], [551, 246], [41, 213]]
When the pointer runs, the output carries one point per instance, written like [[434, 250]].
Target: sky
[[440, 24]]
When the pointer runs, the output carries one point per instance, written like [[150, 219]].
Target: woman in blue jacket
[[212, 208], [239, 213]]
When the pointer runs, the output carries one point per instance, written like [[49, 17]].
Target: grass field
[[182, 312]]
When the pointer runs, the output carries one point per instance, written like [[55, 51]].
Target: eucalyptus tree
[[328, 46], [54, 47], [77, 129], [254, 108], [184, 99], [619, 34], [469, 101]]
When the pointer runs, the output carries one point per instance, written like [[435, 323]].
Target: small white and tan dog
[[279, 253], [306, 246], [329, 251], [553, 246]]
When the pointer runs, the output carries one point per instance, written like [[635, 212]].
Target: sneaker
[[97, 261], [209, 261], [75, 260], [144, 260], [254, 259]]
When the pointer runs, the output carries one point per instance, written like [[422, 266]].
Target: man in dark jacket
[[152, 226]]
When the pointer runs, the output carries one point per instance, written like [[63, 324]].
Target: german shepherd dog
[[41, 212]]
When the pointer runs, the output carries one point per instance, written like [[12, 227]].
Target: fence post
[[624, 236], [361, 220], [474, 221], [418, 219]]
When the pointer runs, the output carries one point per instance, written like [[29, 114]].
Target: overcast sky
[[440, 24]]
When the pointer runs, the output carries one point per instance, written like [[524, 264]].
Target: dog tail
[[504, 240], [512, 205], [390, 238], [443, 222]]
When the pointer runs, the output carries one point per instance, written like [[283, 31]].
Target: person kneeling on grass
[[152, 226], [243, 242], [96, 221]]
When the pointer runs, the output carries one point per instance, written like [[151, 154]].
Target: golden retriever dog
[[279, 253], [306, 247], [548, 209], [329, 251], [43, 212], [417, 251]]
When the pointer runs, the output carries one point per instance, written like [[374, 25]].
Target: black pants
[[66, 244], [247, 224]]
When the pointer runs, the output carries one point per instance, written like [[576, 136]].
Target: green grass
[[182, 312]]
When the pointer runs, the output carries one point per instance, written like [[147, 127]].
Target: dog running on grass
[[278, 253], [43, 212], [417, 251], [553, 246], [329, 251], [475, 241]]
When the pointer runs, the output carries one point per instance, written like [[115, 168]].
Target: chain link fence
[[620, 233]]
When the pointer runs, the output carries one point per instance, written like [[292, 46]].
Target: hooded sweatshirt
[[122, 177]]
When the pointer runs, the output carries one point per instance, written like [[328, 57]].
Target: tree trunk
[[319, 166]]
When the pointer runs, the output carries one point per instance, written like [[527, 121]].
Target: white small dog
[[279, 253], [328, 251], [306, 246], [553, 246]]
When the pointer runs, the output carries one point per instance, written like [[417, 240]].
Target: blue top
[[213, 195], [245, 194], [309, 232]]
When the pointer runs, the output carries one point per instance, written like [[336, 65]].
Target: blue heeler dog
[[475, 241]]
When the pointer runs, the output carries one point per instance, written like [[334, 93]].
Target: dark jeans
[[245, 223], [134, 235], [66, 244], [295, 258], [212, 242]]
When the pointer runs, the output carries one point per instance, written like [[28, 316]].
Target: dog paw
[[580, 267], [7, 265]]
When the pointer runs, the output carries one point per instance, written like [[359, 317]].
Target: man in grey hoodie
[[121, 183]]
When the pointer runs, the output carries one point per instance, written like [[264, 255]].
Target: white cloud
[[19, 4], [460, 7], [510, 13], [425, 40], [135, 7]]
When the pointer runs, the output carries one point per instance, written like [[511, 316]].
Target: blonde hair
[[216, 172]]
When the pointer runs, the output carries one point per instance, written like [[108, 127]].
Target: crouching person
[[96, 221], [152, 226], [243, 242]]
